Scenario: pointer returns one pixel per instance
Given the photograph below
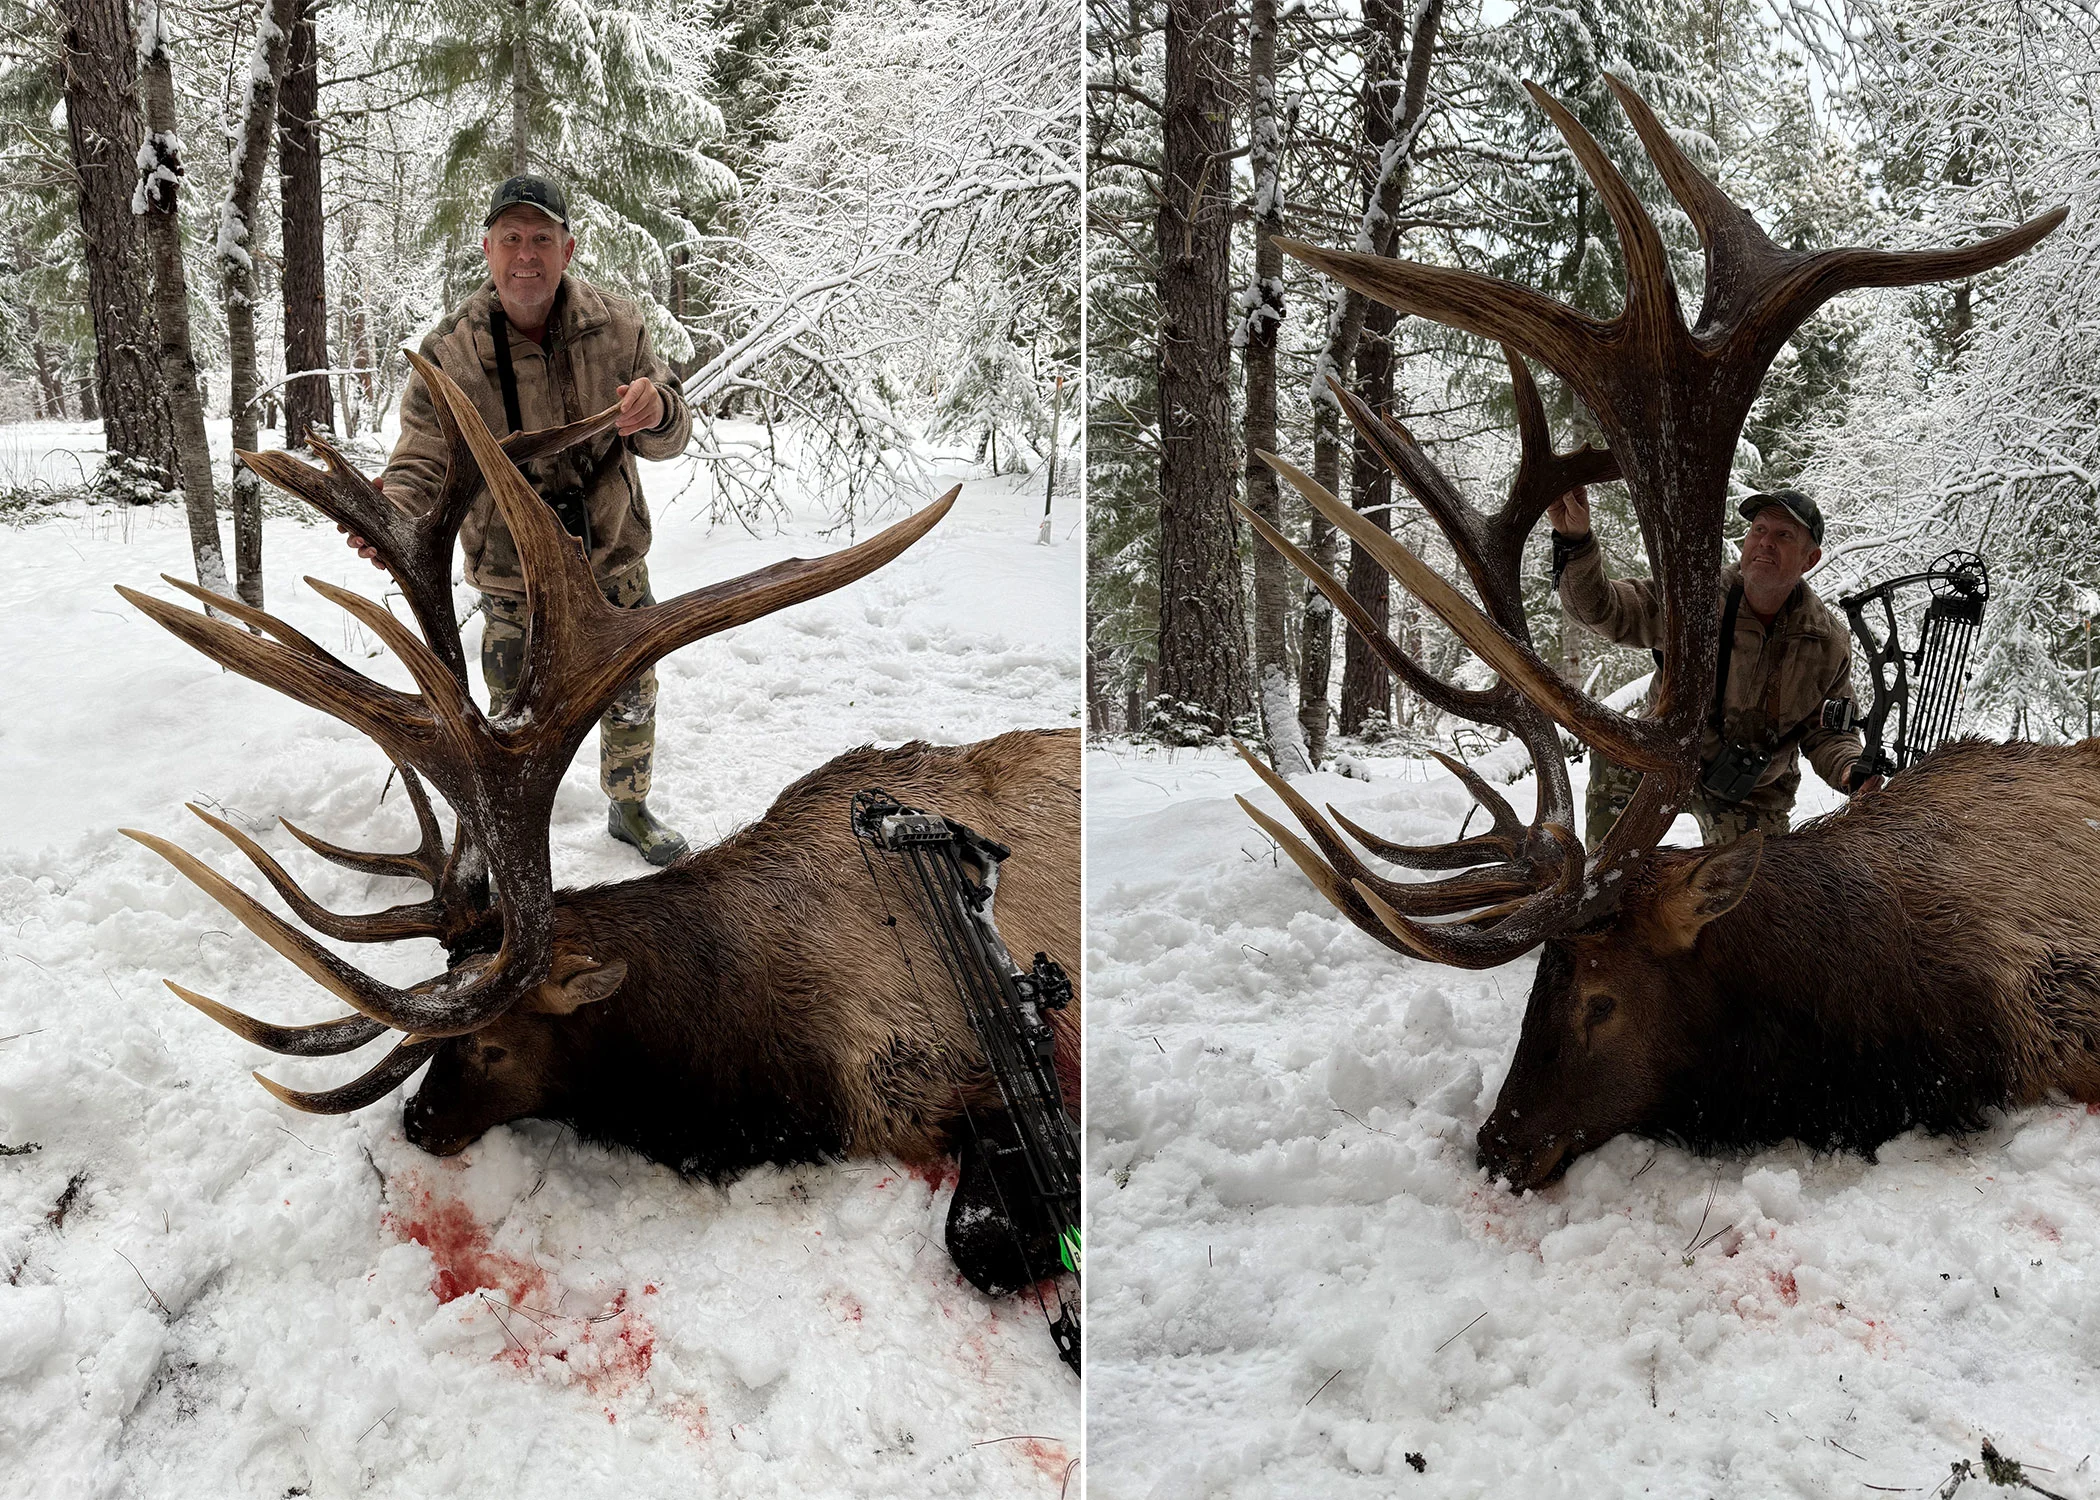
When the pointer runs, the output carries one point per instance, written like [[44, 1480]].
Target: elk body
[[1922, 956], [763, 1012], [748, 1004], [1909, 962]]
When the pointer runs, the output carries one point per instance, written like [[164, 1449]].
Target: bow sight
[[1922, 686]]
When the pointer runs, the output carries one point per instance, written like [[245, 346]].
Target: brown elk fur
[[765, 1012], [1920, 957]]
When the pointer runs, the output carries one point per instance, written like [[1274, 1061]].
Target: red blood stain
[[937, 1175], [1788, 1292], [2040, 1226], [649, 1289], [606, 1353], [690, 1413], [884, 1183], [1050, 1458], [459, 1245]]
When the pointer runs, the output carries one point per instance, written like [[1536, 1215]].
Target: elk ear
[[576, 984], [1693, 894]]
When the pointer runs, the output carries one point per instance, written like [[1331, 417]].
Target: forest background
[[1965, 415], [853, 228]]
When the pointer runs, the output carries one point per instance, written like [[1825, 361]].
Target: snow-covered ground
[[1299, 1278], [243, 1300]]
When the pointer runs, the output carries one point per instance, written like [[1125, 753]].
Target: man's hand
[[358, 544], [641, 407], [1862, 780], [1570, 514]]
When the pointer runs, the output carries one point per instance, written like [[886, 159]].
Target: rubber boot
[[633, 823]]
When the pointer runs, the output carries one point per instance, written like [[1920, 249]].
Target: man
[[536, 347], [1784, 653]]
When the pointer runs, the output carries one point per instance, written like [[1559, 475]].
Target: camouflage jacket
[[1777, 677], [595, 343]]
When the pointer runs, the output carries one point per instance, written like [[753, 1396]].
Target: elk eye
[[494, 1055], [1601, 1007]]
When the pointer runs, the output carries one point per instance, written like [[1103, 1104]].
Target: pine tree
[[593, 96]]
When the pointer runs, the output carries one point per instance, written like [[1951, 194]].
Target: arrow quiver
[[948, 874], [1923, 686]]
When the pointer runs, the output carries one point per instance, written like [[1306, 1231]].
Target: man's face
[[527, 252], [1777, 551]]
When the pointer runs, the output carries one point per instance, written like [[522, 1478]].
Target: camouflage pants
[[1611, 790], [627, 733]]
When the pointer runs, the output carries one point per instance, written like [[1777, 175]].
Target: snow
[[1300, 1278], [244, 1300]]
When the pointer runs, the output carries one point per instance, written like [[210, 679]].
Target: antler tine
[[1543, 474], [524, 447], [418, 919], [1550, 331], [1435, 898], [400, 722], [1457, 855], [456, 1002], [413, 553], [1469, 703], [1651, 292], [425, 862], [255, 618], [1465, 945], [1468, 945], [323, 1039], [1337, 891], [1756, 288], [386, 1076], [1633, 742]]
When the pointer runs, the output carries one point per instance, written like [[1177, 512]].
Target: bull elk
[[1911, 961], [745, 1005]]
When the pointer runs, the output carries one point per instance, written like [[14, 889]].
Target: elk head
[[1626, 970], [494, 1019]]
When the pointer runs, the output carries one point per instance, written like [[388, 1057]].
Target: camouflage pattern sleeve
[[668, 438], [1828, 750], [416, 471], [1626, 611]]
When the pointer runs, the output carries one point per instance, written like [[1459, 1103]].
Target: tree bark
[[1367, 687], [1202, 624], [160, 162], [274, 24], [521, 94], [100, 61], [1261, 318], [308, 405], [1345, 324]]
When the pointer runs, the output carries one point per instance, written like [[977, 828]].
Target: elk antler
[[1671, 400], [499, 775]]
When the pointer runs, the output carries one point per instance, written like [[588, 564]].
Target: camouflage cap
[[529, 192], [1794, 503]]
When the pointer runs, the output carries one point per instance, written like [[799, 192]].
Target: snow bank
[[1300, 1278], [243, 1300]]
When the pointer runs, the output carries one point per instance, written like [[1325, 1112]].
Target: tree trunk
[[90, 411], [160, 162], [102, 121], [1367, 687], [520, 94], [274, 24], [1202, 618], [1345, 322], [308, 406], [1262, 312]]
